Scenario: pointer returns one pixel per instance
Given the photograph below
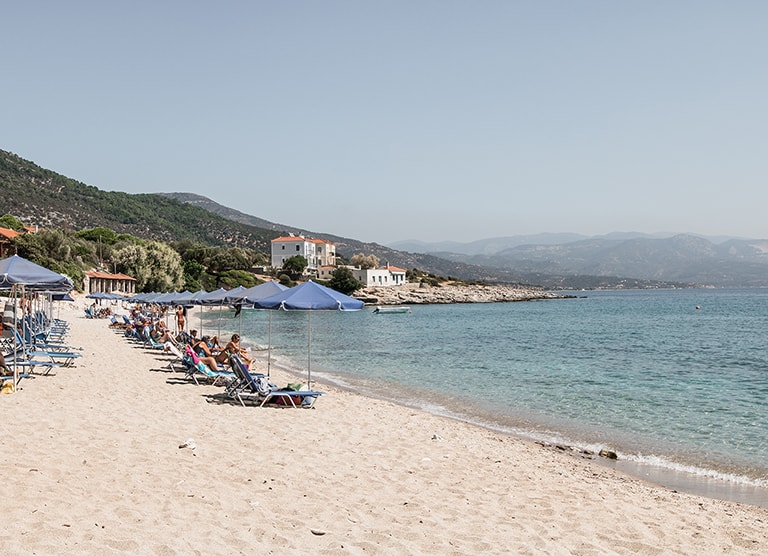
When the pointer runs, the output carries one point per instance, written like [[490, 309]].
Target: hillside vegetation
[[46, 199], [41, 197]]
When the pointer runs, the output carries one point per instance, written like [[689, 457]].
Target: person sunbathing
[[208, 360], [234, 348]]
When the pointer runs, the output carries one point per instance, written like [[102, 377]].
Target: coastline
[[97, 468], [420, 294]]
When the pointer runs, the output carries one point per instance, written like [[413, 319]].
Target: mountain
[[483, 246], [682, 258], [40, 197], [44, 198]]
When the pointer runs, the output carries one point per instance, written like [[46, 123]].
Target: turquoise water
[[644, 373]]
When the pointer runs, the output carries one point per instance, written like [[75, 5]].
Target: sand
[[93, 465]]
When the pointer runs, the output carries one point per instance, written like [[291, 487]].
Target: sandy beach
[[93, 465]]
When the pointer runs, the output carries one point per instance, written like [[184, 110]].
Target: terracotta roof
[[393, 268], [107, 275], [8, 233], [301, 239]]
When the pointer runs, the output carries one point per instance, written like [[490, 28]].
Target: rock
[[421, 293], [610, 454]]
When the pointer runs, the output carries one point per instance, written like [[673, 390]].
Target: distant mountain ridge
[[683, 258], [42, 197]]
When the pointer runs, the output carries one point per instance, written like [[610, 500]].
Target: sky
[[397, 120]]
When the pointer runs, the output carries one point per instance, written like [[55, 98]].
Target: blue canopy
[[190, 298], [104, 295], [262, 291], [17, 270], [309, 296], [235, 295], [215, 297]]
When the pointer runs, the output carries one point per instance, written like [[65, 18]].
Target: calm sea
[[674, 381]]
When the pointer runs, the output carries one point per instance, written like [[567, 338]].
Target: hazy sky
[[383, 121]]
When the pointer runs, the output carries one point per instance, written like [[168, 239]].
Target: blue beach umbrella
[[262, 291], [309, 297]]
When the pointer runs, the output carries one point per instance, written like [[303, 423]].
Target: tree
[[11, 222], [365, 261], [166, 272], [295, 265], [132, 260], [342, 280], [99, 235]]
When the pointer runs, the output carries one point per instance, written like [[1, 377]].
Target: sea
[[675, 382]]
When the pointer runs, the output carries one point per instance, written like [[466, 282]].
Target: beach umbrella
[[309, 297], [18, 275], [18, 271], [191, 299], [212, 299], [262, 291], [235, 295]]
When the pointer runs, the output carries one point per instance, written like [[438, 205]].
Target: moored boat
[[390, 309]]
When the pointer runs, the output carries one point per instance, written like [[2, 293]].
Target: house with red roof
[[6, 235], [386, 275], [318, 252], [104, 282]]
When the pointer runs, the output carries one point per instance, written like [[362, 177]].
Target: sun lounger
[[198, 370], [259, 390]]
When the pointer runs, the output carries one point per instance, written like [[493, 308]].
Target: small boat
[[391, 309]]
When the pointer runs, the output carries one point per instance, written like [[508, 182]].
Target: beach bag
[[262, 386], [297, 400]]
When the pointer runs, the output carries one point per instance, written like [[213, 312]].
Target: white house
[[318, 252], [383, 276]]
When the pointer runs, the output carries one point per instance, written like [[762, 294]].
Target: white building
[[383, 276], [318, 252]]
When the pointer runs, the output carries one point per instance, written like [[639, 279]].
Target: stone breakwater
[[420, 294]]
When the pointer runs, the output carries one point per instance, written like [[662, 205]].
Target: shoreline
[[659, 471], [100, 464]]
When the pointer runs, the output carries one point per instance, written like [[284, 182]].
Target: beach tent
[[309, 297]]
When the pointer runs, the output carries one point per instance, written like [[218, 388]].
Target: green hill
[[40, 197]]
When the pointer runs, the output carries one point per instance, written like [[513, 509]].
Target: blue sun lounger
[[258, 389]]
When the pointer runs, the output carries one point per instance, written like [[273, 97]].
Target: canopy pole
[[309, 345], [269, 346]]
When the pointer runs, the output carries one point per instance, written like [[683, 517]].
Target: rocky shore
[[420, 294]]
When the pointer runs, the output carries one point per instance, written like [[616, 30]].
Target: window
[[298, 248]]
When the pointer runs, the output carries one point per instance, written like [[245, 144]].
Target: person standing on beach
[[180, 320]]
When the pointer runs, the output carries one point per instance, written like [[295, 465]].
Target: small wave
[[695, 471]]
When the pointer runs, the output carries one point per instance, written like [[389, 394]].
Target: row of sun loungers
[[37, 346], [238, 383]]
